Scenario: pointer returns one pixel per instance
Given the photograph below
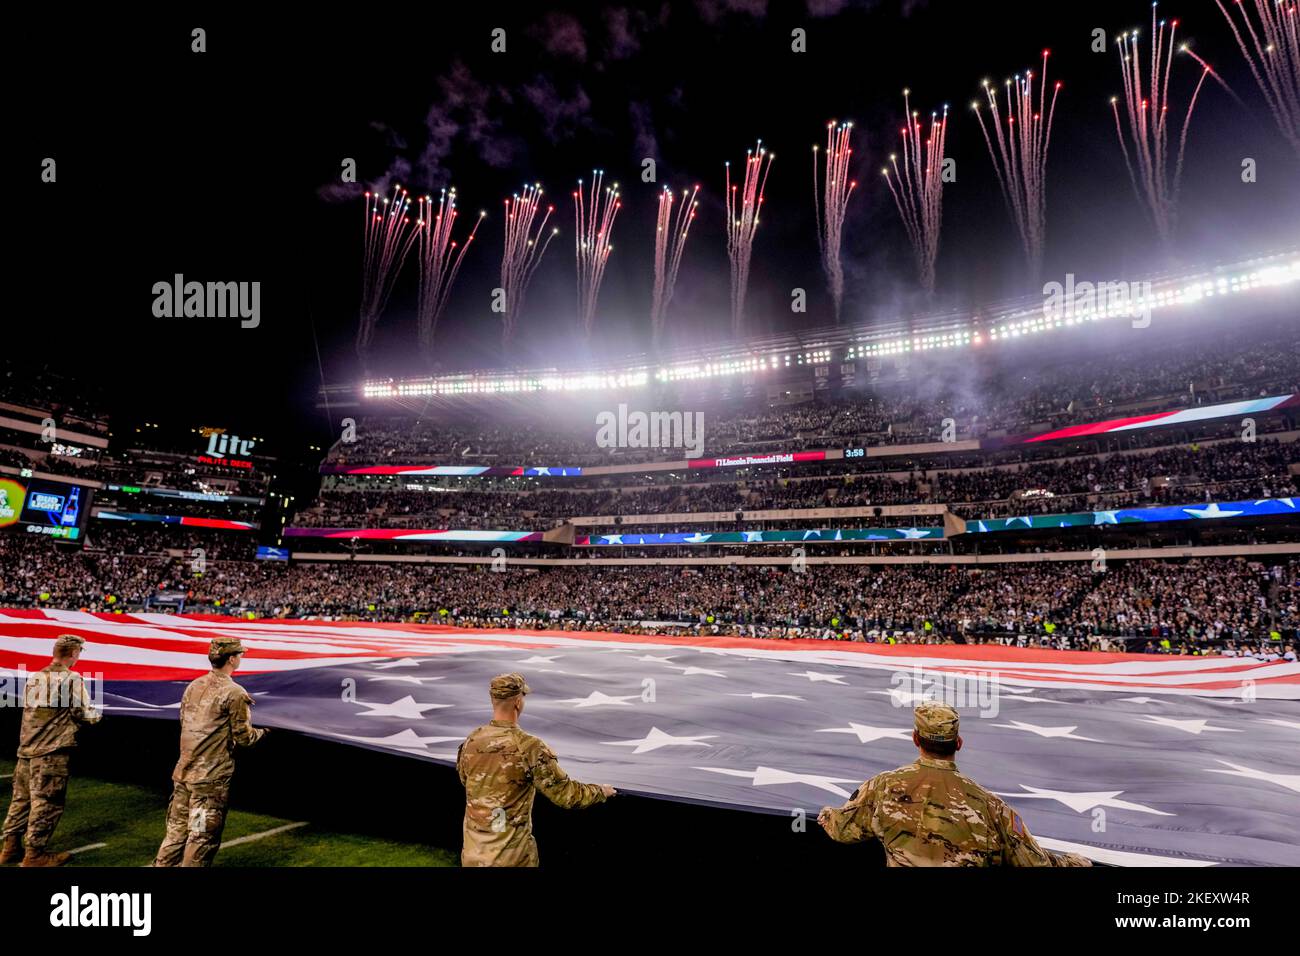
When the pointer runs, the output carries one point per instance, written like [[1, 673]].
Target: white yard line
[[266, 833]]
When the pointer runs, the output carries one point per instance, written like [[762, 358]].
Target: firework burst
[[1019, 154], [1147, 111], [1273, 55], [830, 204], [387, 241], [524, 248], [670, 242], [917, 186], [440, 257], [595, 212], [744, 205]]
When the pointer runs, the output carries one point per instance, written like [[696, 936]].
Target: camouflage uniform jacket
[[55, 705], [214, 721], [928, 814], [501, 767]]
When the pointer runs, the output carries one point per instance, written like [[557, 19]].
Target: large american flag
[[1126, 758]]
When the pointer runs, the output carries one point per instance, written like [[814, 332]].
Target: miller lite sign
[[224, 449]]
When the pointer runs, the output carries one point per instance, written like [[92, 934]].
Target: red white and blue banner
[[1131, 759], [189, 521], [1185, 416], [415, 534]]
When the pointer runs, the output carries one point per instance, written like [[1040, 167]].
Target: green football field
[[118, 824]]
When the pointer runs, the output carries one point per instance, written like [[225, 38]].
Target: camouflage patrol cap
[[935, 722], [505, 686], [225, 645], [68, 642]]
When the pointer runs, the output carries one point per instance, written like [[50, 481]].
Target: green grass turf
[[131, 819]]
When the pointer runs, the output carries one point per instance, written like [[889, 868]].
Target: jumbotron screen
[[51, 508]]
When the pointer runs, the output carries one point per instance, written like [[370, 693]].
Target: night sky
[[224, 166]]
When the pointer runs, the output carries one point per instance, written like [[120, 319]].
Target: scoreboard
[[51, 508]]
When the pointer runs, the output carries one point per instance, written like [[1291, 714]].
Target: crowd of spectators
[[1178, 606]]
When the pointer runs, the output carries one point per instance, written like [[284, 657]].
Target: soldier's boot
[[41, 858], [12, 852]]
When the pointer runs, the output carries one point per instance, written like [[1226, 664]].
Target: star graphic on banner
[[912, 533], [539, 659], [1294, 725], [406, 707], [688, 671], [868, 734], [1067, 732], [403, 662], [1105, 517], [758, 696], [406, 739], [1289, 780], [771, 777], [811, 534], [542, 472], [1083, 801], [1213, 511], [817, 678], [597, 699], [403, 679], [649, 659], [613, 538], [1188, 726], [657, 738], [697, 538], [753, 536]]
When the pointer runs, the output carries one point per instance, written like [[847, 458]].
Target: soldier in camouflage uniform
[[928, 814], [55, 706], [214, 721], [501, 767]]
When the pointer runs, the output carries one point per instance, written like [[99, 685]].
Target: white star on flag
[[1066, 732], [1143, 700], [402, 678], [403, 662], [867, 734], [657, 738], [905, 698], [406, 707], [688, 671], [1188, 726], [817, 678], [771, 777], [406, 739], [1294, 725], [758, 696], [1083, 801], [649, 658], [597, 699], [539, 659], [1289, 780]]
